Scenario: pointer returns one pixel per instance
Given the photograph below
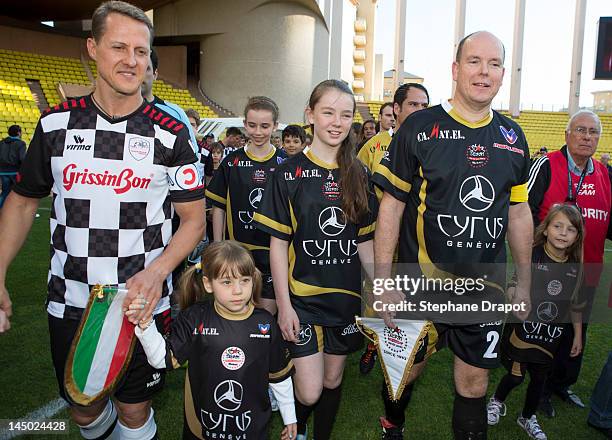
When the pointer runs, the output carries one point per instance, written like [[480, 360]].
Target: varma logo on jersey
[[332, 222], [246, 217], [79, 144], [228, 397], [475, 230]]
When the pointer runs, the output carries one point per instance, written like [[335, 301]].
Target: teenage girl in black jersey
[[315, 295]]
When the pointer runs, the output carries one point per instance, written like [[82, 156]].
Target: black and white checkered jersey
[[113, 182]]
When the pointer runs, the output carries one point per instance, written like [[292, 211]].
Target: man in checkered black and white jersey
[[116, 168]]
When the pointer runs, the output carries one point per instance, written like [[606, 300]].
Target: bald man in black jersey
[[455, 180]]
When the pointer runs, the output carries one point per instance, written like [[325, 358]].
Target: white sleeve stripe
[[534, 170]]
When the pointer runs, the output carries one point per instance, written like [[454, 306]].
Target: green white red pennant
[[101, 349]]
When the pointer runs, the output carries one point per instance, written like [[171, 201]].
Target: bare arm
[[16, 217], [279, 266], [366, 256], [520, 240], [386, 236], [149, 281], [218, 219]]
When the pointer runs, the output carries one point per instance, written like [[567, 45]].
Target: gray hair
[[98, 19], [584, 112]]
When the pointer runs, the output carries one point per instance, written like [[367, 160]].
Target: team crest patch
[[331, 190], [139, 148], [554, 287], [259, 176], [395, 339], [509, 135], [477, 155], [264, 328], [233, 358]]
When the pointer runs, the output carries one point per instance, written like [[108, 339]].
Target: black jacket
[[12, 153]]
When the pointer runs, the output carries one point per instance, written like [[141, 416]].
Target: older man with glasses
[[571, 175]]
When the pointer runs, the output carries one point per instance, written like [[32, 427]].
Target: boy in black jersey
[[234, 350], [455, 179], [532, 344], [319, 208], [238, 186]]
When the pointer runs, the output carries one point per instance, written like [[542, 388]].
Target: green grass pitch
[[27, 379]]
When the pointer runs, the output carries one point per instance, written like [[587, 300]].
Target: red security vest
[[593, 199]]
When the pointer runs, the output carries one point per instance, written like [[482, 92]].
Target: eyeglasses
[[583, 130]]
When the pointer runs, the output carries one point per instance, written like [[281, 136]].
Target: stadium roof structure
[[63, 10], [407, 75]]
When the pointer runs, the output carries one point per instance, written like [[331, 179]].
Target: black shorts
[[312, 339], [475, 344], [267, 288], [519, 369], [141, 380]]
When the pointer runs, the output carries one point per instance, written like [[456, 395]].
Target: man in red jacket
[[571, 175]]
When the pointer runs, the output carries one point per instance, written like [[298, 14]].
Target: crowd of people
[[277, 231]]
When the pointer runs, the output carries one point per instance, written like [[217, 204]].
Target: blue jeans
[[601, 400], [7, 184]]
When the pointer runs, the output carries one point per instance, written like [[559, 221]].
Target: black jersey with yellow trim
[[232, 358], [555, 293], [458, 180], [302, 205], [237, 187]]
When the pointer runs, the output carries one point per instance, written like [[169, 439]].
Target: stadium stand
[[546, 129], [17, 104], [180, 97], [23, 72], [543, 129]]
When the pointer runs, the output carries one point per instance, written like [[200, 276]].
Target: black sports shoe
[[390, 431], [546, 407], [368, 359]]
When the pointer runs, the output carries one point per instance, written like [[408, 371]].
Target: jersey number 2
[[492, 337]]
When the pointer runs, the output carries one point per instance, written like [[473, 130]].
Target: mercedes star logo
[[476, 193], [547, 311], [228, 395], [331, 221], [255, 197]]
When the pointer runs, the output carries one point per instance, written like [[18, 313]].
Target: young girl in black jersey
[[320, 210], [234, 349], [237, 187], [531, 345]]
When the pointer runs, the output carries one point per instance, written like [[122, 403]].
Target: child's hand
[[137, 305], [289, 432], [576, 347]]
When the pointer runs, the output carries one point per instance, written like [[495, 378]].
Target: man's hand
[[148, 283], [521, 295], [289, 323], [390, 297], [6, 309]]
